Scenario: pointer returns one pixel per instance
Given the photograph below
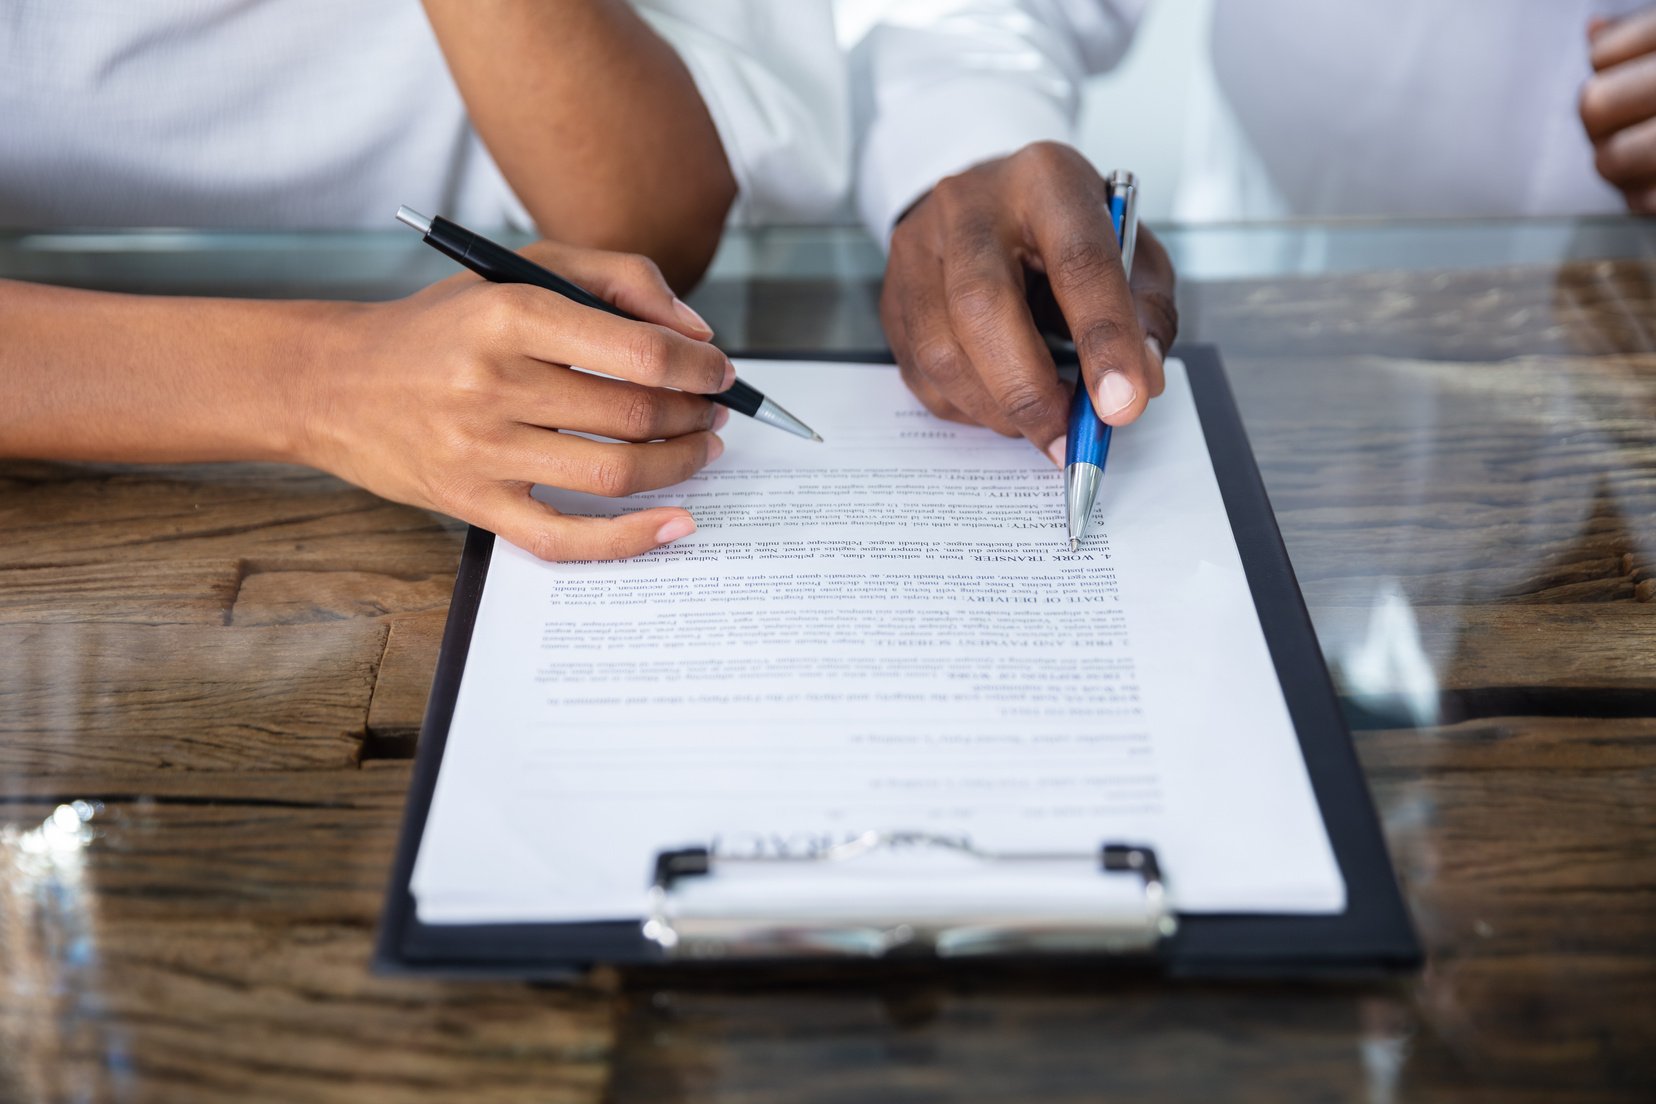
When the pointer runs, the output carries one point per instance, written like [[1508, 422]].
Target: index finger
[[540, 324], [1619, 40], [1078, 246], [989, 314], [632, 282]]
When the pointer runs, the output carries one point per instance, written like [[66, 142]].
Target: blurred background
[[1270, 109], [1146, 112]]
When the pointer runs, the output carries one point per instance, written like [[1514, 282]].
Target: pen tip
[[1075, 544], [817, 437]]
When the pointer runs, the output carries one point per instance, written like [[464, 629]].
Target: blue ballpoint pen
[[1089, 437]]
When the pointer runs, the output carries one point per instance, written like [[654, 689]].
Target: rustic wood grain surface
[[229, 664]]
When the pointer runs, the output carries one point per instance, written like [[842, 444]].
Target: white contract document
[[886, 631]]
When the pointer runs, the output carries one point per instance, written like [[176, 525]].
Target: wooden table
[[228, 665]]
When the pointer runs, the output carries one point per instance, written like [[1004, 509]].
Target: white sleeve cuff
[[943, 130]]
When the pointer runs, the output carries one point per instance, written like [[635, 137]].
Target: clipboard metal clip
[[687, 922]]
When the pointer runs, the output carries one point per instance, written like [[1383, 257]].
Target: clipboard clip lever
[[687, 922]]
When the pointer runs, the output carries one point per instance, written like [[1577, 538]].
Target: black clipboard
[[1372, 936]]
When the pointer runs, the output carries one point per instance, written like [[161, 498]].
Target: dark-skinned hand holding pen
[[992, 256]]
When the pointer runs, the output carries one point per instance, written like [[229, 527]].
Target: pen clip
[[1124, 185]]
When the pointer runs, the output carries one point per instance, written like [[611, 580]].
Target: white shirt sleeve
[[774, 82], [947, 84]]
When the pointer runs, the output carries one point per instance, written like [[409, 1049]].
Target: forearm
[[446, 399], [596, 123], [96, 376]]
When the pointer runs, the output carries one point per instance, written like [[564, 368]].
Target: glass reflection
[[1386, 670], [52, 1010], [1383, 1045]]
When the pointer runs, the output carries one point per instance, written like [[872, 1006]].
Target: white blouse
[[323, 113]]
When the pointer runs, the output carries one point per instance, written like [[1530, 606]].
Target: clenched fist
[[1618, 105]]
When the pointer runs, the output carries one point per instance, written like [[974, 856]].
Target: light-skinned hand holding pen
[[450, 399], [453, 398]]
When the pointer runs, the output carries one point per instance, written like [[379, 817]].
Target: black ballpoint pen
[[496, 263]]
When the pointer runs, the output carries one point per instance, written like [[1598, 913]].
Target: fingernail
[[1057, 449], [1155, 349], [690, 318], [721, 415], [1115, 394], [729, 377], [715, 449], [673, 530]]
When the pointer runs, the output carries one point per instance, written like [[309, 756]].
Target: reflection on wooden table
[[229, 663]]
